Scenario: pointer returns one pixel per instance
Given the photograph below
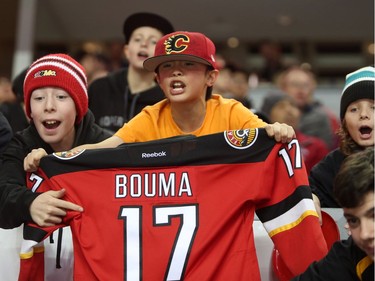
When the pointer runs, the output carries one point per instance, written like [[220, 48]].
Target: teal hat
[[358, 85]]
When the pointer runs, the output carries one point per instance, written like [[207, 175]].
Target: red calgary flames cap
[[182, 45]]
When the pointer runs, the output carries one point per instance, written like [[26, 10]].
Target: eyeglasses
[[299, 85]]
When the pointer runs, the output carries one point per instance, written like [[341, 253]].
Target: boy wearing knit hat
[[55, 94], [118, 97], [57, 71], [356, 133]]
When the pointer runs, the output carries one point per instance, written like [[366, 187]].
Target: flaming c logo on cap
[[176, 43], [241, 139]]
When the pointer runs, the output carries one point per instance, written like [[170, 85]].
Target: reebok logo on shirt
[[154, 154]]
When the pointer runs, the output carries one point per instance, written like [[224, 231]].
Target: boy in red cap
[[185, 67], [56, 101]]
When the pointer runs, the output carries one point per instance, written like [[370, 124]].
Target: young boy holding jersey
[[56, 102], [185, 68]]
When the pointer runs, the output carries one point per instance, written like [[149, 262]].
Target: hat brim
[[151, 64]]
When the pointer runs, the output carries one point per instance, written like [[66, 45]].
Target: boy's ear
[[157, 78], [125, 51], [212, 76]]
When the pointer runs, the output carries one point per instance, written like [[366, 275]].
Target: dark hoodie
[[322, 176], [112, 102], [344, 262], [15, 199], [5, 133]]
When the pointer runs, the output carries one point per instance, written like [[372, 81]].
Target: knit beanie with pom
[[358, 85], [61, 71]]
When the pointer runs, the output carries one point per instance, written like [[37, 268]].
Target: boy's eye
[[166, 65], [353, 222], [189, 63], [62, 97]]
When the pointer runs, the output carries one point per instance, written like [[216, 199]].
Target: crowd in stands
[[123, 94]]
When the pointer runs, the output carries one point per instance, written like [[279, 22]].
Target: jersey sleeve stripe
[[29, 248], [268, 213], [291, 218], [293, 224], [362, 266]]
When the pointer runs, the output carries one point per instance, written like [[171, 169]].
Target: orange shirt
[[156, 122]]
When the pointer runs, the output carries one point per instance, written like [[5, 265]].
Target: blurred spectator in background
[[95, 63], [233, 82], [223, 81], [239, 86], [15, 111], [118, 97], [116, 56], [279, 107], [222, 84], [316, 120], [271, 53], [6, 93], [5, 134]]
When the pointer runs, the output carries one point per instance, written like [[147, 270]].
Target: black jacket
[[15, 199], [340, 264], [16, 116], [5, 133], [322, 176], [112, 102]]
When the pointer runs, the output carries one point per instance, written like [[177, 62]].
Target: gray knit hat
[[358, 85], [271, 99]]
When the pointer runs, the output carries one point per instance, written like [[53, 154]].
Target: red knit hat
[[61, 71], [182, 45]]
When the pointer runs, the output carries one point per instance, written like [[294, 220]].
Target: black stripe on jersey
[[177, 151], [270, 212], [33, 233]]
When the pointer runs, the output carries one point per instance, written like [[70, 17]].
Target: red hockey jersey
[[183, 208]]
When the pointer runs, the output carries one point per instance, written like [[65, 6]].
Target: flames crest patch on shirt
[[66, 155], [241, 139]]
